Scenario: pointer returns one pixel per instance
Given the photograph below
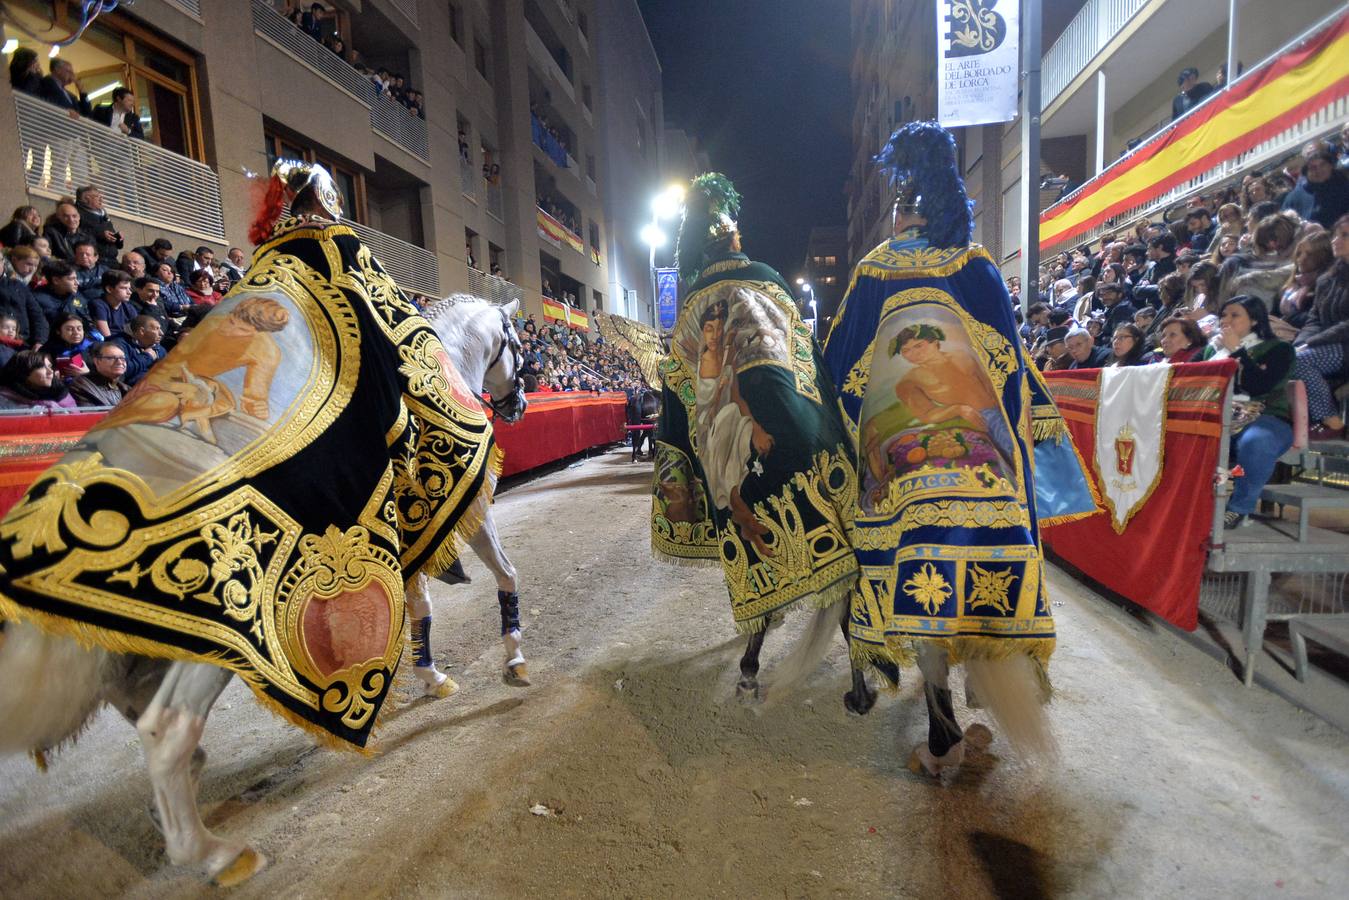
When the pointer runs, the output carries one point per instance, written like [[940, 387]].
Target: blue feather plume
[[923, 154]]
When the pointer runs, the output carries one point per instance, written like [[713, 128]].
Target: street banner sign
[[977, 61], [667, 297]]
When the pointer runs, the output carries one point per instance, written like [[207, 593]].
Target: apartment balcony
[[496, 206], [492, 288], [469, 177], [539, 52], [1090, 31], [140, 182], [551, 146], [557, 234], [391, 120], [413, 268]]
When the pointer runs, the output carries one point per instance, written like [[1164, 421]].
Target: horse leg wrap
[[421, 646], [510, 611]]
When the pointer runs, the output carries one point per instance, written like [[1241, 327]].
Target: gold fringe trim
[[822, 599], [903, 651], [693, 562], [1051, 521], [1050, 429]]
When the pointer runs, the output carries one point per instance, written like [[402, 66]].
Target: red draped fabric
[[556, 426], [1159, 559], [31, 442]]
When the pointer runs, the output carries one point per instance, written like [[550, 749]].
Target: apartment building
[[1109, 75], [826, 270], [503, 171]]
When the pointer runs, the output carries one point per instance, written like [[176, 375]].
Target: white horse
[[51, 686], [482, 342]]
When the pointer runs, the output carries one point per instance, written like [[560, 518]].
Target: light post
[[665, 205], [810, 299]]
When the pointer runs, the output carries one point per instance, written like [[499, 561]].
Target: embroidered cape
[[951, 424], [260, 499], [753, 464]]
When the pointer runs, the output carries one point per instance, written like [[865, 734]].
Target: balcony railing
[[468, 178], [492, 288], [539, 51], [544, 140], [557, 234], [407, 8], [413, 268], [400, 125], [496, 206], [277, 30], [140, 182], [1086, 35]]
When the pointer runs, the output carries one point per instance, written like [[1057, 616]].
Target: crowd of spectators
[[317, 21], [559, 212], [1258, 273], [120, 114], [558, 358], [82, 319], [547, 134]]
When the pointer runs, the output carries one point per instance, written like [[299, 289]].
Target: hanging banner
[[978, 61], [667, 297]]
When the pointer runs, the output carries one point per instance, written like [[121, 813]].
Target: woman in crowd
[[171, 292], [1311, 259], [68, 343], [25, 71], [1201, 292], [1224, 248], [1127, 346], [1323, 342], [1181, 341], [29, 380], [1253, 191], [1229, 220], [23, 227], [1263, 419], [1268, 267], [1171, 295]]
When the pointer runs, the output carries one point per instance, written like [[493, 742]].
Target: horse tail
[[1015, 689], [805, 657], [50, 687]]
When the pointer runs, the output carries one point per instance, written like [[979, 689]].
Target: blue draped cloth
[[961, 456]]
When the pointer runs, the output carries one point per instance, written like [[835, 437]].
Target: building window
[[480, 58], [116, 51], [348, 179], [456, 24], [829, 279]]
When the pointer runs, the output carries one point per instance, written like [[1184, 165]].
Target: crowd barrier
[[554, 427]]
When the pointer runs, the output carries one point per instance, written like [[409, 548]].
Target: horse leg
[[487, 545], [170, 729], [435, 683], [944, 748], [861, 698], [747, 689]]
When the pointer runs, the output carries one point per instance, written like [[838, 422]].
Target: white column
[[1100, 120], [1232, 36]]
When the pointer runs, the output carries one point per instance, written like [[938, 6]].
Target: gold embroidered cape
[[752, 459], [260, 499]]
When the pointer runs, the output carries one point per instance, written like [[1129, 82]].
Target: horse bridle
[[499, 407]]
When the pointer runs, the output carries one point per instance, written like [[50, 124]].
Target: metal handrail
[[400, 125], [140, 181], [493, 288], [278, 31], [1094, 26], [413, 268]]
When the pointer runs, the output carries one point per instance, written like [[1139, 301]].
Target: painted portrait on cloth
[[216, 395], [930, 407]]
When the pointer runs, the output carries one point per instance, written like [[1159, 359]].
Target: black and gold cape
[[753, 466], [259, 500]]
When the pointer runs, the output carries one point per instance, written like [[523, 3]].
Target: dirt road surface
[[1174, 780]]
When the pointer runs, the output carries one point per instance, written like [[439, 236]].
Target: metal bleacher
[[1273, 568]]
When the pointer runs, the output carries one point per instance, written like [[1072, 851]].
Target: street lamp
[[665, 205], [810, 299]]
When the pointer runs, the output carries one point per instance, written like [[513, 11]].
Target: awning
[[1264, 102]]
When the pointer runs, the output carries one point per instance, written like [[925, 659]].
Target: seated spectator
[[188, 263], [1323, 342], [1065, 295], [59, 296], [55, 89], [1224, 248], [235, 265], [1262, 419], [114, 311], [23, 226], [95, 221], [1161, 254], [28, 380], [1118, 310], [10, 341], [1229, 219], [1144, 319], [171, 293], [1135, 263], [88, 270], [1199, 224], [68, 343], [1170, 302], [1311, 258], [203, 292], [1127, 347], [43, 248], [103, 385], [17, 300], [1081, 346], [1263, 272], [1322, 193], [140, 344], [121, 115], [63, 230], [25, 71], [1201, 292], [158, 251], [147, 302], [1181, 341], [1185, 261], [133, 264], [1054, 354]]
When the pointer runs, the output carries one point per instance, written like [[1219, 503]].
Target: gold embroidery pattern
[[860, 373], [990, 588], [929, 588], [943, 514]]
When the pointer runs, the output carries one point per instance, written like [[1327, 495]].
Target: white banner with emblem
[[1130, 435], [978, 63]]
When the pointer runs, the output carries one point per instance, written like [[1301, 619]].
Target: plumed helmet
[[920, 159], [291, 178], [711, 207]]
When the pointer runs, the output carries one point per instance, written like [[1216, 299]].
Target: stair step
[[1306, 496]]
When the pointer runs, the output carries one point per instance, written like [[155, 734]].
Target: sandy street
[[1174, 780]]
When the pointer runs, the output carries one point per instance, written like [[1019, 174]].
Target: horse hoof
[[516, 675], [978, 736], [248, 863], [747, 691], [859, 705], [441, 690], [922, 762]]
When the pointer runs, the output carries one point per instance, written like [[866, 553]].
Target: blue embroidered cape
[[951, 426]]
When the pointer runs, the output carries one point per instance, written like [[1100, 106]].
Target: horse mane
[[445, 304]]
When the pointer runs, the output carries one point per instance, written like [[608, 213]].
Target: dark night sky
[[763, 84]]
